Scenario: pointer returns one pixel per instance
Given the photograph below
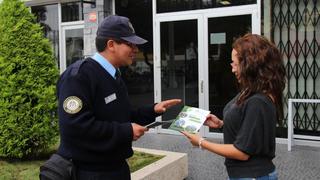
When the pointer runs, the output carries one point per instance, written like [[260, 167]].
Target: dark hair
[[261, 69], [101, 42]]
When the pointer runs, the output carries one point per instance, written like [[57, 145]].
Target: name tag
[[110, 98]]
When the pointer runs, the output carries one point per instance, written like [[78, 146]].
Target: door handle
[[201, 86]]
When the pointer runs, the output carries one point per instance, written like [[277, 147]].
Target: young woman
[[249, 125]]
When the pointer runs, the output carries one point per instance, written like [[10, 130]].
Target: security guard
[[97, 123]]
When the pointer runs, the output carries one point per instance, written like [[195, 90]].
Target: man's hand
[[161, 107], [138, 131], [213, 121]]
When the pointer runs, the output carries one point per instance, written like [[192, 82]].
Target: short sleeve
[[257, 131]]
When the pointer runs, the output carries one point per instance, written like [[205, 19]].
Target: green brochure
[[189, 119]]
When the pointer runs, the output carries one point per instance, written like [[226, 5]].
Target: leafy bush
[[28, 73]]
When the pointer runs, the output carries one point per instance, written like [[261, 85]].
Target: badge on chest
[[110, 98]]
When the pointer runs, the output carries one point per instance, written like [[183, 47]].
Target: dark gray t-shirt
[[251, 129]]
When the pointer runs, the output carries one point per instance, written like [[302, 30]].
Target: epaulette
[[76, 66]]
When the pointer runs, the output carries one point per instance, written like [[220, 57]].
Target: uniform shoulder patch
[[72, 104]]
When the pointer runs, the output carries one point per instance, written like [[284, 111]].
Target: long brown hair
[[261, 69]]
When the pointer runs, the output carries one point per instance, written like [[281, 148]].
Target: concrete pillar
[[92, 17]]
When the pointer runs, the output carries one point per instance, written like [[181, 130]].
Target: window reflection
[[74, 45], [71, 11], [47, 17], [179, 64], [139, 76], [222, 83]]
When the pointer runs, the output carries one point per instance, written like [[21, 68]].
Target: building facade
[[189, 48]]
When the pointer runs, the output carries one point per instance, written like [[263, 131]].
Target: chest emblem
[[72, 104]]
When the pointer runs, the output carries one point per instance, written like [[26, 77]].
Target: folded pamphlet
[[190, 119]]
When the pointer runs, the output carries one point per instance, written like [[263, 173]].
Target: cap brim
[[135, 39]]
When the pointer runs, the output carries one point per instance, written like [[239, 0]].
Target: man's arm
[[146, 115], [78, 121]]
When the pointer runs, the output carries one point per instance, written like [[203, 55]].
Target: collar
[[105, 64]]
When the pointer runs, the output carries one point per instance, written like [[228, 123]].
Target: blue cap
[[119, 27]]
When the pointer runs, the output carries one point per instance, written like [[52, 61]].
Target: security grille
[[296, 32]]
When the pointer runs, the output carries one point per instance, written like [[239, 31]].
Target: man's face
[[125, 52]]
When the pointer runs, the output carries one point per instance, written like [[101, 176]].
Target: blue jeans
[[271, 176]]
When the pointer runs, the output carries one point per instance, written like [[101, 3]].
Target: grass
[[140, 160], [29, 170]]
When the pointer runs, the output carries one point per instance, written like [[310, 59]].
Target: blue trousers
[[271, 176]]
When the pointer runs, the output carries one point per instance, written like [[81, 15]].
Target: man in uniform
[[97, 123]]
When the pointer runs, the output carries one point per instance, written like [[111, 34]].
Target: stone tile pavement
[[302, 163]]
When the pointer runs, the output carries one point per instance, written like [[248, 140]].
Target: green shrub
[[28, 73]]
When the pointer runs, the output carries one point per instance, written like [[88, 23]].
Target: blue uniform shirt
[[105, 64]]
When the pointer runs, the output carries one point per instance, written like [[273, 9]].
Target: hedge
[[28, 74]]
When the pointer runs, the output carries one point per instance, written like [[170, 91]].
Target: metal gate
[[296, 32]]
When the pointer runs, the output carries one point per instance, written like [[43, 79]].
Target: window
[[47, 16], [72, 11], [184, 5], [139, 76]]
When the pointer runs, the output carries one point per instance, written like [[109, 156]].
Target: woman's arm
[[226, 150]]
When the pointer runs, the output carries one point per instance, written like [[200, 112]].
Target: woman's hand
[[213, 121], [194, 138]]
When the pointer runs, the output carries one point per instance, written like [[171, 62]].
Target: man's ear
[[110, 45]]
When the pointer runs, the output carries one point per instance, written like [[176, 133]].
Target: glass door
[[179, 64], [72, 45], [221, 31], [222, 82], [177, 72]]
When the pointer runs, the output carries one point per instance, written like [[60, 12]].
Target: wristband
[[200, 142]]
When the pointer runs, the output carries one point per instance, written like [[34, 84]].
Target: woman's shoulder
[[259, 104], [259, 99]]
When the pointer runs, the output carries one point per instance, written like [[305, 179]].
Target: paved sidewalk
[[302, 163]]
